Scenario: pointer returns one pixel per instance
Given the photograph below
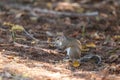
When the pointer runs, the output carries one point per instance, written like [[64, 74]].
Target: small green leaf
[[17, 28]]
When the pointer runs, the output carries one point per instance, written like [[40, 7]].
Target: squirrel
[[71, 45], [73, 48]]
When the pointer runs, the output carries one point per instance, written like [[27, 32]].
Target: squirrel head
[[61, 42]]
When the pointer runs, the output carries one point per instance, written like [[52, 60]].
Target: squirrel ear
[[60, 33]]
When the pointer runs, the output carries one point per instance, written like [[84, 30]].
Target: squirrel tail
[[96, 58]]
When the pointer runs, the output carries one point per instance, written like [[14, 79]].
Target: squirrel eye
[[58, 39]]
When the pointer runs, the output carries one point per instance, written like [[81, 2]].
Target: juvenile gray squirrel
[[73, 48]]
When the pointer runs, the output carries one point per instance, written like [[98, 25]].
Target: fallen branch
[[67, 14], [46, 11]]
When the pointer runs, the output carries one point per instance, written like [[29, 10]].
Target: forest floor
[[96, 23]]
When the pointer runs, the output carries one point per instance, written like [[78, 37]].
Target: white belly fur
[[68, 50]]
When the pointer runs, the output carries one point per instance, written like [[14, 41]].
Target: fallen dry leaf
[[91, 45], [76, 63]]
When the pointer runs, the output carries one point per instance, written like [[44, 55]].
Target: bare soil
[[40, 61]]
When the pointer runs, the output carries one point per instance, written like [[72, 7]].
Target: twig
[[30, 35]]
